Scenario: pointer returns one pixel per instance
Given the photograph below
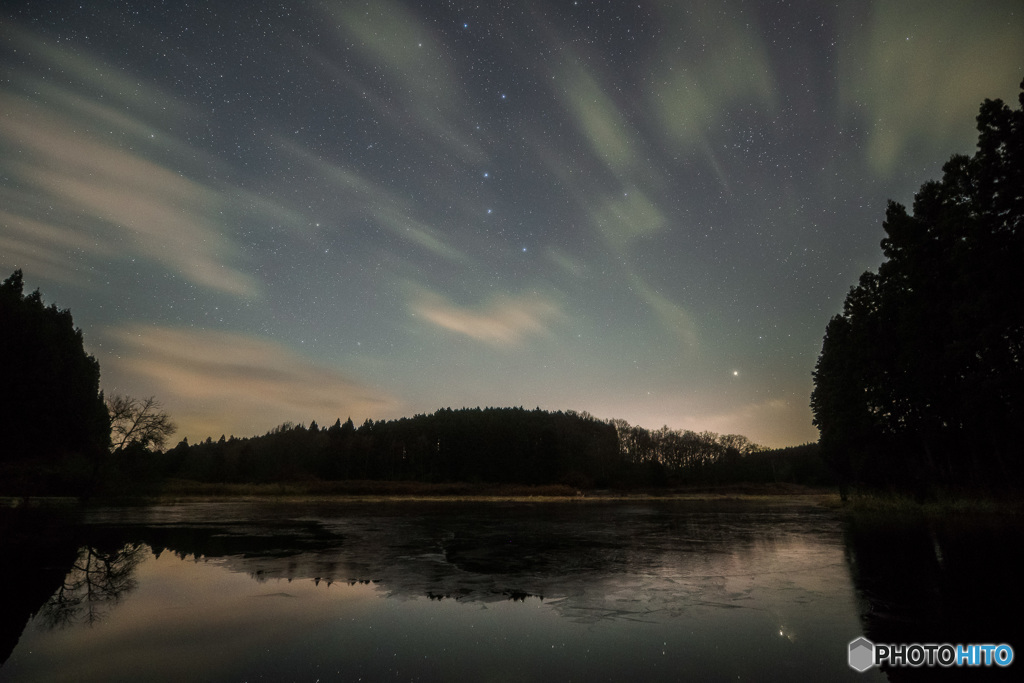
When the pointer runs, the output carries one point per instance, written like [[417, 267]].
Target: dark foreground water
[[489, 592]]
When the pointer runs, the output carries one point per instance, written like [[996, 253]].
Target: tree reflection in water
[[951, 579], [97, 581], [584, 592]]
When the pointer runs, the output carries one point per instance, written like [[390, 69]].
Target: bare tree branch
[[138, 421]]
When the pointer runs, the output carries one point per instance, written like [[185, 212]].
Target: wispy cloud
[[626, 218], [726, 65], [598, 117], [671, 315], [83, 173], [504, 321], [635, 210], [220, 382], [43, 247], [410, 54], [366, 197], [922, 68]]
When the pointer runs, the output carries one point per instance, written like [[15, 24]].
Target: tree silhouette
[[97, 581], [51, 406], [920, 381], [141, 423]]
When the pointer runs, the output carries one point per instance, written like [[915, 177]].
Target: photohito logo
[[862, 654]]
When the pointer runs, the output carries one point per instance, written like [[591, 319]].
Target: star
[[655, 215]]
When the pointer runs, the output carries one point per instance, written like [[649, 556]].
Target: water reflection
[[441, 591], [952, 580], [97, 581], [639, 562]]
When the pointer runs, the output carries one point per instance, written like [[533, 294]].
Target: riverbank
[[180, 491], [381, 491]]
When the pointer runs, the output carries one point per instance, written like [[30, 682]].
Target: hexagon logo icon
[[862, 654]]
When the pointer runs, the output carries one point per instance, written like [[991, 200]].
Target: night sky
[[285, 211]]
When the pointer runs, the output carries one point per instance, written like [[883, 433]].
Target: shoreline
[[725, 496], [180, 492], [782, 500]]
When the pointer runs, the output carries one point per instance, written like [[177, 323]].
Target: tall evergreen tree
[[921, 379], [51, 405]]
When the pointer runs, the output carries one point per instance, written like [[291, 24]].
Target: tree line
[[684, 457], [63, 436], [920, 383], [492, 446]]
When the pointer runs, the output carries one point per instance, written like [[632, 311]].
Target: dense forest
[[492, 445], [920, 383], [54, 424]]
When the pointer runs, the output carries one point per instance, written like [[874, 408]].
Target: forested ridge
[[484, 445], [63, 436]]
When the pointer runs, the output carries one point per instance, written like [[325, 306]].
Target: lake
[[459, 591]]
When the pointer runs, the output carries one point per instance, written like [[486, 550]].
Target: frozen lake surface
[[553, 591]]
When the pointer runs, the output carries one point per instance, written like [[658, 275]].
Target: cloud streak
[[922, 68], [505, 321], [80, 180], [366, 197], [233, 383], [397, 42], [672, 316], [727, 67]]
